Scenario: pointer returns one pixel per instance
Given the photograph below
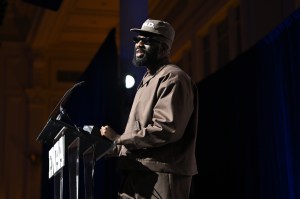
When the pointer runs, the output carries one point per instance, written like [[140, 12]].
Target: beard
[[150, 57]]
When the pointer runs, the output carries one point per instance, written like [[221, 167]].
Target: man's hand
[[109, 133]]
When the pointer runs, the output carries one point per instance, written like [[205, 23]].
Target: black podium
[[74, 144]]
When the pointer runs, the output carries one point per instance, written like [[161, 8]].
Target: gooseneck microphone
[[55, 114]]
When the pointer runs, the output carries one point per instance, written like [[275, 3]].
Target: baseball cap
[[158, 27]]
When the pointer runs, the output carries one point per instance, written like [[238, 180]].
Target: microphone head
[[61, 109], [79, 84]]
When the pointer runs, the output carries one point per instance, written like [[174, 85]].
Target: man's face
[[146, 51]]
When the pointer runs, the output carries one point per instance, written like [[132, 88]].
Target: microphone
[[58, 108], [51, 128]]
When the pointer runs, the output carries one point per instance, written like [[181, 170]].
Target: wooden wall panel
[[14, 147], [2, 94], [15, 74], [38, 114]]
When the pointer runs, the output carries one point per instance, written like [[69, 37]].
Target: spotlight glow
[[129, 81]]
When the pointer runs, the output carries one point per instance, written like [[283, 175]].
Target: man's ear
[[165, 49]]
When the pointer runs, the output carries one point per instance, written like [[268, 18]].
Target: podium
[[74, 144]]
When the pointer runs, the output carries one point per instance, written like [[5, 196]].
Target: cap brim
[[144, 31], [135, 29], [162, 38]]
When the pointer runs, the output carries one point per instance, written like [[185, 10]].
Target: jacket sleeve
[[171, 114]]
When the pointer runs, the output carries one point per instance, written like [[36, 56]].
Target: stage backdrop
[[249, 122]]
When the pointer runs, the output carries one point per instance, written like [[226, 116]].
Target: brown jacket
[[162, 126]]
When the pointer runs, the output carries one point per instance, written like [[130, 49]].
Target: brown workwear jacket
[[161, 130]]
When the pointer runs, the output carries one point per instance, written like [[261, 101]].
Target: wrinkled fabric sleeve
[[171, 114]]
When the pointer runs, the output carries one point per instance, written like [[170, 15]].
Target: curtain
[[249, 122]]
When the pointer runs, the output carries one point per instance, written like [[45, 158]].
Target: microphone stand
[[54, 122]]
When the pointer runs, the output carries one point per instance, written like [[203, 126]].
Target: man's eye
[[143, 39]]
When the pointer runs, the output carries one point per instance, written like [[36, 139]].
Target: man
[[157, 148]]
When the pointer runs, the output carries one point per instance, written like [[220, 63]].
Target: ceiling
[[83, 23], [75, 30], [78, 26]]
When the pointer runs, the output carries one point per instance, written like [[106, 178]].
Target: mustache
[[140, 48]]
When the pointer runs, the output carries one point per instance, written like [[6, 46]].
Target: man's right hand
[[109, 133]]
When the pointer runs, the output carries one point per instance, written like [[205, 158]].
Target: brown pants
[[154, 185]]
